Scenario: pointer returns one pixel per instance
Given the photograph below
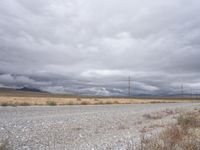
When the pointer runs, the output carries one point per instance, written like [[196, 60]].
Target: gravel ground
[[76, 127]]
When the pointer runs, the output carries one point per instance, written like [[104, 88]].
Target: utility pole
[[182, 90], [129, 86], [191, 93]]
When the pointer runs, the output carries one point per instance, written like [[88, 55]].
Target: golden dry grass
[[11, 100]]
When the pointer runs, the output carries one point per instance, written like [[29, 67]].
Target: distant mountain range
[[30, 90], [27, 91]]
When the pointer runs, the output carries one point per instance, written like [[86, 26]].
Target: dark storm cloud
[[91, 47]]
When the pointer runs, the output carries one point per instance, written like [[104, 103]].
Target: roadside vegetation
[[159, 114], [4, 145], [53, 101], [184, 135], [14, 104]]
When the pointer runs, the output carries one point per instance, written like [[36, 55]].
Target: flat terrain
[[84, 127], [25, 101], [11, 97]]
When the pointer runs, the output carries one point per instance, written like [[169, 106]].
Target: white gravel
[[75, 127]]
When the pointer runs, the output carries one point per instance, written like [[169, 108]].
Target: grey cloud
[[86, 46]]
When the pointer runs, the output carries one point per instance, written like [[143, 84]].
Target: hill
[[28, 92]]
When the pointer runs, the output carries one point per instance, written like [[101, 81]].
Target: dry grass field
[[25, 101], [9, 97]]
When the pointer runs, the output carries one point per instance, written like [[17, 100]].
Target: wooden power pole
[[129, 86]]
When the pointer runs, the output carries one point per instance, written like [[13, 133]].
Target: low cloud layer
[[91, 47]]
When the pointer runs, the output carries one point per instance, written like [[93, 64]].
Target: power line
[[182, 90], [129, 86]]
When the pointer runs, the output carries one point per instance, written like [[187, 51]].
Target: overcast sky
[[92, 46]]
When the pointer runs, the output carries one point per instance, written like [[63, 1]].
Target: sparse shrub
[[36, 104], [14, 104], [173, 137], [122, 127], [70, 103], [158, 115], [4, 104], [147, 116], [153, 116], [77, 128], [188, 120], [9, 104], [78, 99], [24, 104], [152, 143], [99, 102], [116, 102], [4, 145], [51, 103], [108, 102], [96, 99], [84, 103], [169, 112], [154, 102]]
